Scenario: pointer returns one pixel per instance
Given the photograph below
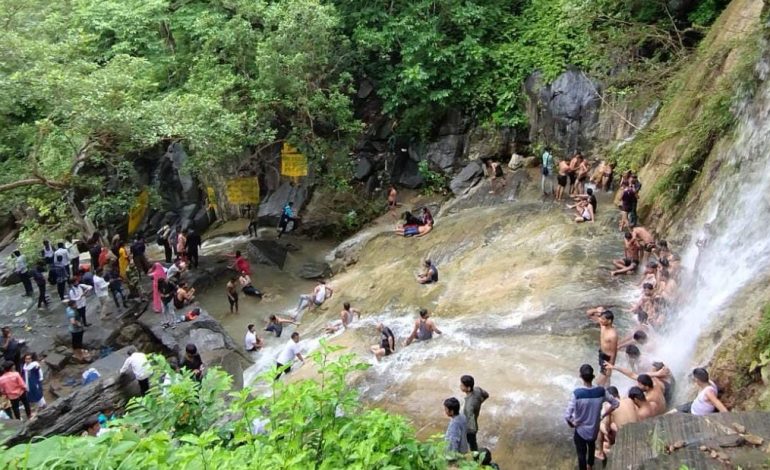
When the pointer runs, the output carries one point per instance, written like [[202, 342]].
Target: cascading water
[[736, 251]]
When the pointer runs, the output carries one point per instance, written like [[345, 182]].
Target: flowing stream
[[516, 276]]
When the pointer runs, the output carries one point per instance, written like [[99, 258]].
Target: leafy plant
[[185, 424], [433, 181]]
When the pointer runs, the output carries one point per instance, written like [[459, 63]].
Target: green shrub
[[186, 425]]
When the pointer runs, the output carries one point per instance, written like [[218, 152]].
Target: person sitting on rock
[[414, 230], [426, 217], [346, 318], [430, 275], [707, 401], [631, 254], [320, 294], [585, 212], [184, 295]]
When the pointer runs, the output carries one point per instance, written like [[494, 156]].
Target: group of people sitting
[[598, 412], [414, 226]]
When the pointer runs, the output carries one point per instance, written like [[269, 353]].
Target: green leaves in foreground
[[186, 425]]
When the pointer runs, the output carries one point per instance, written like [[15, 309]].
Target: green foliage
[[308, 424], [707, 11], [434, 182]]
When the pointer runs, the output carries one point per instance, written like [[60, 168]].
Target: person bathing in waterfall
[[585, 212], [245, 281], [320, 294], [275, 324], [561, 179], [608, 344], [424, 328], [415, 226], [707, 401], [232, 295], [631, 253], [614, 420], [429, 275], [346, 318], [387, 344]]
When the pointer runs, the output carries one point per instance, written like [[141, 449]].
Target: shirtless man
[[574, 163], [653, 388], [561, 179], [346, 317], [582, 176], [424, 328], [608, 345], [644, 409], [630, 262], [392, 200], [416, 231], [624, 414], [648, 303], [645, 239]]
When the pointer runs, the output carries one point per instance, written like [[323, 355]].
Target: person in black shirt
[[430, 275], [138, 250], [193, 243], [192, 362], [387, 342]]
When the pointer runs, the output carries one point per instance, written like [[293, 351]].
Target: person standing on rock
[[139, 254], [608, 344], [138, 365], [101, 289], [232, 294], [47, 253], [561, 179], [157, 273], [456, 434], [287, 216], [75, 327], [392, 201], [33, 377], [21, 269], [474, 397], [285, 359], [546, 171], [163, 235], [12, 386], [181, 245], [58, 275], [39, 278], [193, 245], [10, 347], [123, 259], [77, 293], [424, 328], [584, 413], [62, 258]]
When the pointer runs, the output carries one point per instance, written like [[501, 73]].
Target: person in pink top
[[240, 264], [14, 388], [157, 273]]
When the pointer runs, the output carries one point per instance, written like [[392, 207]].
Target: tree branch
[[31, 182]]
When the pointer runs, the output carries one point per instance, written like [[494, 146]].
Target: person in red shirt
[[14, 388], [241, 264]]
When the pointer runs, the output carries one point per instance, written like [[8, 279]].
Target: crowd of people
[[596, 410]]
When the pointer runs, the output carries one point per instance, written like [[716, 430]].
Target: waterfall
[[734, 227]]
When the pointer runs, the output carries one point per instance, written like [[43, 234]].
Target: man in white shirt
[[287, 355], [65, 258], [137, 364], [320, 294], [101, 289], [77, 293], [252, 343]]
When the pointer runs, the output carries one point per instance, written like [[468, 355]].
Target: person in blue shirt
[[286, 217], [584, 414]]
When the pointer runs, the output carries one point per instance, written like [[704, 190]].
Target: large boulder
[[215, 345], [364, 168], [269, 252], [446, 152], [564, 113], [271, 208], [68, 414], [314, 270], [485, 142], [467, 178], [406, 172]]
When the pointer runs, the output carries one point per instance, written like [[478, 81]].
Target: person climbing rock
[[138, 365], [424, 328], [287, 216]]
